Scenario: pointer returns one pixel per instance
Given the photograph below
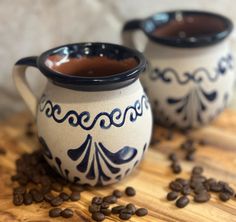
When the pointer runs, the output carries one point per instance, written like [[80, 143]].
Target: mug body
[[94, 138], [188, 87], [190, 76], [94, 120]]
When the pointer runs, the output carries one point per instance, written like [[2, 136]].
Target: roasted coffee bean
[[173, 157], [18, 199], [37, 196], [28, 199], [224, 196], [67, 213], [202, 197], [106, 212], [57, 187], [131, 207], [190, 156], [117, 193], [55, 212], [141, 212], [228, 189], [176, 168], [175, 186], [199, 188], [75, 196], [197, 170], [110, 199], [98, 216], [172, 195], [186, 190], [187, 144], [216, 187], [94, 208], [117, 209], [130, 191], [45, 189], [97, 200], [57, 201], [105, 205], [182, 202], [64, 196], [74, 187], [48, 197], [19, 190], [125, 216], [182, 181]]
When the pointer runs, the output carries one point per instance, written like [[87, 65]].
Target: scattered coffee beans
[[55, 212], [97, 216], [141, 212], [224, 196], [57, 201], [64, 196], [28, 199], [110, 199], [172, 195], [117, 193], [117, 209], [75, 196], [130, 191], [18, 199], [131, 207], [182, 202], [67, 213], [202, 197]]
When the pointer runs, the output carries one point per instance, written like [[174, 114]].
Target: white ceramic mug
[[191, 77], [93, 119]]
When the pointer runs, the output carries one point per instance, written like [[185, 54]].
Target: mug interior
[[85, 65], [187, 28]]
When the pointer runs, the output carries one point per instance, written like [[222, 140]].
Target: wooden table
[[151, 180]]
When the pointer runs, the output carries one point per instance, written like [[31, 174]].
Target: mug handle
[[19, 78], [128, 31]]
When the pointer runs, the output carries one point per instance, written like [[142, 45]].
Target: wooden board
[[151, 180]]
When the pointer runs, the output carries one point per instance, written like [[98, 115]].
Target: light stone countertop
[[30, 27]]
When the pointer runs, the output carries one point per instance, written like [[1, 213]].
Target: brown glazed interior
[[91, 66], [190, 26]]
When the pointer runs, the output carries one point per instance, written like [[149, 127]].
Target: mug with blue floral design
[[191, 77], [94, 120]]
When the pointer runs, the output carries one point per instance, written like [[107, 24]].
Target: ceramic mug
[[93, 119], [191, 77]]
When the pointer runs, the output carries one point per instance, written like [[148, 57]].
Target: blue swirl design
[[94, 155], [197, 76], [105, 119]]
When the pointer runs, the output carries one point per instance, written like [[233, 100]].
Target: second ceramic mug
[[191, 76], [93, 119]]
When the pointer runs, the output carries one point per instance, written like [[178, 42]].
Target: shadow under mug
[[94, 120], [190, 78]]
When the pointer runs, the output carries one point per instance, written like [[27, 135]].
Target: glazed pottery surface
[[91, 133], [190, 80]]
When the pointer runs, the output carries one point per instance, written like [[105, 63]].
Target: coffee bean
[[190, 156], [187, 144], [141, 212], [67, 213], [117, 193], [106, 212], [176, 168], [172, 195], [125, 216], [18, 199], [28, 199], [186, 190], [98, 216], [199, 188], [48, 197], [117, 209], [37, 195], [228, 189], [216, 187], [57, 187], [105, 205], [57, 201], [55, 212], [19, 190], [175, 186], [182, 181], [45, 189], [94, 208], [97, 200], [110, 199], [131, 207], [202, 197], [75, 196], [224, 196], [130, 191], [64, 196], [197, 170], [182, 202], [172, 157]]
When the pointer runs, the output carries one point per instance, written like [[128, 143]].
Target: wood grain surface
[[151, 179]]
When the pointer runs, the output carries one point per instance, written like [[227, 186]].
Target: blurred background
[[29, 27]]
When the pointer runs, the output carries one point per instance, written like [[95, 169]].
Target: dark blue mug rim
[[185, 42], [118, 80]]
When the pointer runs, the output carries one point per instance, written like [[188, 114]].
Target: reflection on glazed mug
[[94, 120], [191, 77]]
